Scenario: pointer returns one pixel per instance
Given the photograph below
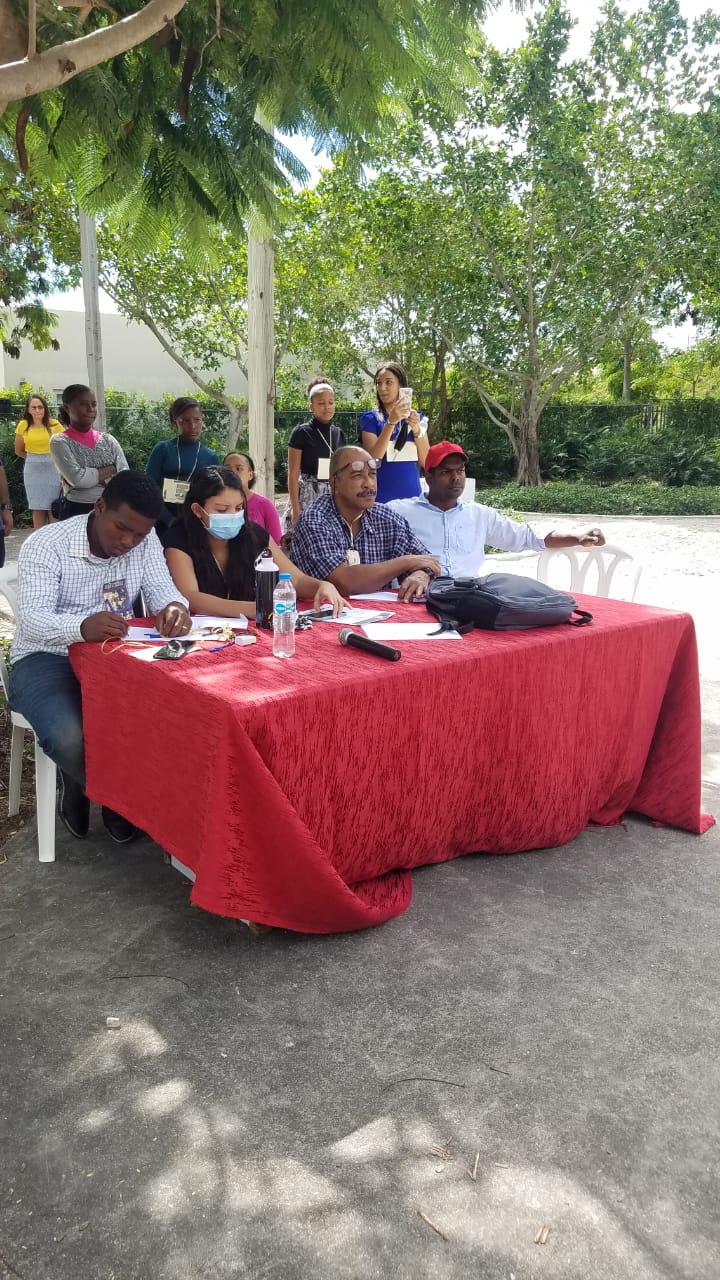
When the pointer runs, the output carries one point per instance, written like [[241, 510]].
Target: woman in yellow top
[[40, 475]]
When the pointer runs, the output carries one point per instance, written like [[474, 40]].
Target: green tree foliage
[[197, 310], [27, 272], [572, 199], [353, 284], [168, 133]]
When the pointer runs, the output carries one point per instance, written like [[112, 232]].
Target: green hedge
[[609, 500], [674, 442]]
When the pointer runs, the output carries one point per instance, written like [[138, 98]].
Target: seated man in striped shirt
[[359, 545], [77, 580]]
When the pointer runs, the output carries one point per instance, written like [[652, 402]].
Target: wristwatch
[[430, 572], [6, 506]]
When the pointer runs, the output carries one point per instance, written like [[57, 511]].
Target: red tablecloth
[[300, 791]]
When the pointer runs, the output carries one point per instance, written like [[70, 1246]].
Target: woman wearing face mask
[[211, 551], [386, 430]]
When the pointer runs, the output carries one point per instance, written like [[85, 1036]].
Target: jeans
[[45, 690]]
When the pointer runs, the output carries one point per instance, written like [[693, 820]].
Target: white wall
[[133, 360]]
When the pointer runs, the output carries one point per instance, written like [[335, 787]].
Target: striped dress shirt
[[60, 584]]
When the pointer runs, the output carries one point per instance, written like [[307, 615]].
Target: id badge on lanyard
[[323, 466], [116, 598], [174, 491]]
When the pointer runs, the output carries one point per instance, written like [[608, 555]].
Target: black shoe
[[73, 806], [117, 827]]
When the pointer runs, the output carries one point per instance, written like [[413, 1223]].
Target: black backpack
[[501, 602]]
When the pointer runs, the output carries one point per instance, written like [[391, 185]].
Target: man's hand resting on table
[[416, 584], [173, 620], [104, 626], [328, 594]]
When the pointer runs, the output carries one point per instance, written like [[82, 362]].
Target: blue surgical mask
[[225, 526]]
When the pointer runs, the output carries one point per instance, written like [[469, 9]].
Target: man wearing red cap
[[457, 532]]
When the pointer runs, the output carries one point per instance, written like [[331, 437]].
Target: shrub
[[612, 499]]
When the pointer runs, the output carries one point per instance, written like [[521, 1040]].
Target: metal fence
[[701, 417]]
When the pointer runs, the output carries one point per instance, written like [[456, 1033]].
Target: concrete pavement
[[285, 1107]]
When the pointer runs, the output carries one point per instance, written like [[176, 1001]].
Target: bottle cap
[[286, 577], [265, 562]]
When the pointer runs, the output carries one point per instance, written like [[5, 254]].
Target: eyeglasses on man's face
[[359, 465]]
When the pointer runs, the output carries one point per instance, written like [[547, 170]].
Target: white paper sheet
[[207, 620], [407, 631], [376, 595], [201, 623]]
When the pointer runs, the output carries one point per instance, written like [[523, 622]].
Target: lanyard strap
[[351, 545], [322, 437], [197, 455]]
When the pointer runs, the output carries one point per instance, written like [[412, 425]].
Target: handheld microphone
[[355, 641]]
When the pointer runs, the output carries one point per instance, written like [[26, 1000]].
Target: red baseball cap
[[438, 452]]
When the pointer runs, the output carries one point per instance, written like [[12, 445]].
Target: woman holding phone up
[[395, 433]]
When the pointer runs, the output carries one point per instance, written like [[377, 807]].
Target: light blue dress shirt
[[458, 537]]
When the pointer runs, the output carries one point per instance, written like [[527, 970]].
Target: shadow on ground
[[268, 1106]]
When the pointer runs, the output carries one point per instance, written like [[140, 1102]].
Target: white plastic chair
[[587, 564], [45, 768]]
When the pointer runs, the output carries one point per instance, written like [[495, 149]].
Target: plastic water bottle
[[284, 614]]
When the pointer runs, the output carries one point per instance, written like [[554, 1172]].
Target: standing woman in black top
[[309, 450]]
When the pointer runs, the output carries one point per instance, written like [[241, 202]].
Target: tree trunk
[[627, 370], [444, 411], [93, 327], [439, 399], [528, 450], [261, 360], [235, 417]]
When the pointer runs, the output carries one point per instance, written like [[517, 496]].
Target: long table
[[300, 792]]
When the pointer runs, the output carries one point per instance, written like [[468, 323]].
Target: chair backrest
[[8, 579], [592, 569], [8, 586], [3, 675]]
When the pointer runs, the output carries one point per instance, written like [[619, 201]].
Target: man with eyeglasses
[[458, 532], [360, 545]]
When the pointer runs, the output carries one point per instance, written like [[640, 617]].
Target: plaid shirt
[[321, 538], [60, 583]]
